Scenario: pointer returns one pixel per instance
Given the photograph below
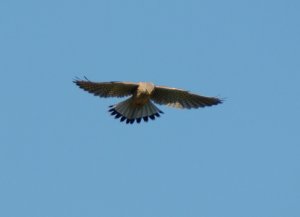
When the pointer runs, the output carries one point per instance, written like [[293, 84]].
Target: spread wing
[[107, 89], [179, 98]]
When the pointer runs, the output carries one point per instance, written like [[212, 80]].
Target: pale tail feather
[[129, 112]]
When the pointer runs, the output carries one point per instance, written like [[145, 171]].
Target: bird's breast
[[141, 98]]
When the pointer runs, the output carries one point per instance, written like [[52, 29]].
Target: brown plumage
[[140, 105]]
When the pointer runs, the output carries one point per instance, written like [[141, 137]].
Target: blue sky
[[61, 154]]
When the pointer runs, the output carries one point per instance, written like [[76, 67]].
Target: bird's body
[[140, 106], [143, 93]]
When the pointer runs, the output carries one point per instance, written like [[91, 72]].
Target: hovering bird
[[140, 105]]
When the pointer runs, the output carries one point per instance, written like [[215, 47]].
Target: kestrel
[[139, 106]]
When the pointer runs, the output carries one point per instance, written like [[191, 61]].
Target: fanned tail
[[130, 112]]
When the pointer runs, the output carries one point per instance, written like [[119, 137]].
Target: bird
[[141, 98]]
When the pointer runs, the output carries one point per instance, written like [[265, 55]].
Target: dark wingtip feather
[[145, 119], [220, 100], [86, 78], [216, 101], [138, 120], [77, 80]]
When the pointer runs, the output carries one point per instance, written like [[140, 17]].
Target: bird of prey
[[140, 105]]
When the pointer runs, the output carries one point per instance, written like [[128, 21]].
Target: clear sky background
[[61, 154]]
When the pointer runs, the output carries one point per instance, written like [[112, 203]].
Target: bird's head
[[146, 87]]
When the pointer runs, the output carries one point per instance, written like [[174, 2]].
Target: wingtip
[[77, 79], [218, 101], [222, 100]]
